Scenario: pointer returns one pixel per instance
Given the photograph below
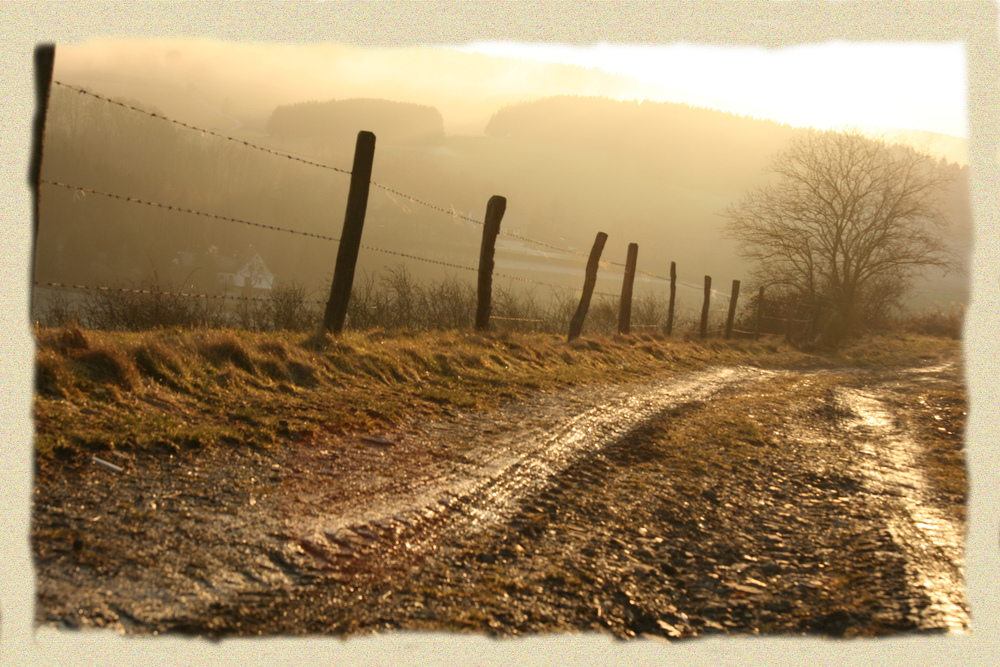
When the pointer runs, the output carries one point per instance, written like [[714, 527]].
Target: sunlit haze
[[650, 142], [871, 85]]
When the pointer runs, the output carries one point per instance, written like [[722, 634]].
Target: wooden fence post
[[491, 227], [44, 62], [350, 239], [625, 305], [760, 309], [673, 293], [704, 306], [732, 308], [576, 324], [792, 303]]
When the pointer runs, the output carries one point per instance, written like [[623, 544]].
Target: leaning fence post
[[491, 227], [350, 239], [760, 308], [704, 306], [625, 305], [673, 293], [576, 324], [732, 308]]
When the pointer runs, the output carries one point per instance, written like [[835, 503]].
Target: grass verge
[[190, 389]]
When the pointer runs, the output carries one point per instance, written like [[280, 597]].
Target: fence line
[[139, 290], [422, 259], [169, 207], [202, 295], [390, 191], [248, 144], [399, 193]]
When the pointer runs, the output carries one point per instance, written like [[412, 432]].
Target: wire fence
[[83, 191]]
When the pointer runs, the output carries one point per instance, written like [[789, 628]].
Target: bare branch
[[848, 220]]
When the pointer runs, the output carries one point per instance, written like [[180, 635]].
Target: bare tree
[[848, 223]]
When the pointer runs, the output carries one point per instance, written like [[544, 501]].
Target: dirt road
[[737, 500]]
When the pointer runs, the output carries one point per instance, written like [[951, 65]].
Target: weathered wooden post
[[792, 304], [44, 62], [494, 214], [732, 308], [673, 293], [576, 324], [350, 239], [625, 305], [760, 309], [704, 307]]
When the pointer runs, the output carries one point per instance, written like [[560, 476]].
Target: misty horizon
[[571, 164]]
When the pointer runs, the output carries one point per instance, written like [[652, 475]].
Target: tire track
[[511, 454]]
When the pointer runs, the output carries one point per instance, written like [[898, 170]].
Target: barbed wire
[[534, 282], [514, 319], [152, 292], [520, 237], [453, 213], [388, 189], [136, 200], [422, 259], [248, 144], [204, 131], [170, 207]]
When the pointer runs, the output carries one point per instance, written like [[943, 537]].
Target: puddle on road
[[929, 537]]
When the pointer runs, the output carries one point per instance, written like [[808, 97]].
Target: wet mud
[[732, 500]]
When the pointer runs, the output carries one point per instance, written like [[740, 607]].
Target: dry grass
[[210, 386]]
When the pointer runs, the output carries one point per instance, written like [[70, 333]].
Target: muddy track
[[591, 508], [502, 457]]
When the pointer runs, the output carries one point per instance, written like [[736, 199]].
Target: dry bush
[[151, 305], [449, 304], [649, 313], [56, 309], [287, 309], [936, 322], [602, 317], [513, 311], [251, 314]]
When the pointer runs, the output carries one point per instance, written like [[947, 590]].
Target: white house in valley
[[244, 271]]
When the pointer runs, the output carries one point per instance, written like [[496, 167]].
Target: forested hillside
[[392, 122], [694, 147]]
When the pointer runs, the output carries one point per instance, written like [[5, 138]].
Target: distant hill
[[341, 120], [691, 146]]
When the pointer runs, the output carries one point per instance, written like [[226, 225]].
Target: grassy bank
[[184, 390]]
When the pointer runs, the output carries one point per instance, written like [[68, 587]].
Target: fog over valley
[[573, 150]]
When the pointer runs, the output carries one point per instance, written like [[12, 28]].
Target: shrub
[[151, 305], [936, 322]]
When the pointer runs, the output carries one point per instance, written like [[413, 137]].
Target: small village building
[[215, 271]]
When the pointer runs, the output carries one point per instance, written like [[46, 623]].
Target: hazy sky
[[875, 85], [913, 86]]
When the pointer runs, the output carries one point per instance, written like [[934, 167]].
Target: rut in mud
[[730, 500]]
